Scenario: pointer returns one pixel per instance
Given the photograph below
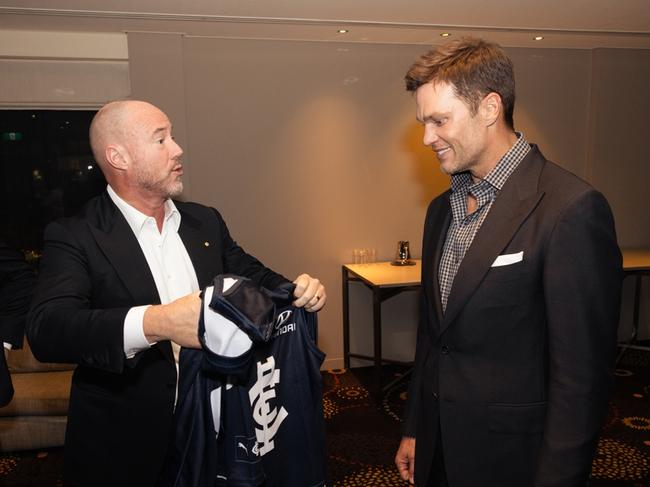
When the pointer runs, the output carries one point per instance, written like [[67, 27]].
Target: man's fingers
[[318, 301], [405, 458], [302, 283], [403, 471], [403, 468], [309, 293]]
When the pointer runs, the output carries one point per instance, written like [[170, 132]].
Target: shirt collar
[[499, 175], [136, 219], [509, 162]]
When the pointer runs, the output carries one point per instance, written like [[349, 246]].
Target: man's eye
[[161, 141]]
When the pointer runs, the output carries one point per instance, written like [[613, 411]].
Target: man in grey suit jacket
[[521, 279], [118, 295]]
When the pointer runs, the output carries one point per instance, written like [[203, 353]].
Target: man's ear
[[491, 108], [115, 156]]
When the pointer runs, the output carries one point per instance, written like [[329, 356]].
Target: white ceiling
[[583, 24]]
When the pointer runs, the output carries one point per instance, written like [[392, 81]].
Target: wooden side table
[[385, 281]]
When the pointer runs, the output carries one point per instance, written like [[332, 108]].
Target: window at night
[[46, 171]]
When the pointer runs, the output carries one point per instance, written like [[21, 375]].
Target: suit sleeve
[[423, 343], [415, 384], [62, 325], [582, 287]]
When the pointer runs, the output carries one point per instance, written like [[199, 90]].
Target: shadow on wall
[[425, 168]]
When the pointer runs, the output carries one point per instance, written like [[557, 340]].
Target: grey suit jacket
[[513, 379]]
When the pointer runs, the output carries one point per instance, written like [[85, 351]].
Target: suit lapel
[[120, 246], [515, 202], [200, 245], [435, 239]]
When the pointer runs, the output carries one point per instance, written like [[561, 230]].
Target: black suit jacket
[[92, 272], [514, 378], [17, 282]]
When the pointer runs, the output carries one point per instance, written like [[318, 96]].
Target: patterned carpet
[[363, 434]]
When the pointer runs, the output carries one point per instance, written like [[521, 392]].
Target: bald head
[[114, 123], [133, 144]]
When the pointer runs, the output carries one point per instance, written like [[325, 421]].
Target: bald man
[[118, 295]]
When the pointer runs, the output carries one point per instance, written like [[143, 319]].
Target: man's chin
[[175, 191], [447, 169]]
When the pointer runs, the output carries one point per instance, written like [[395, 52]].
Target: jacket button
[[444, 349], [435, 396]]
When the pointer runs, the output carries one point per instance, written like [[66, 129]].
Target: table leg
[[376, 333], [637, 302], [631, 343], [346, 319]]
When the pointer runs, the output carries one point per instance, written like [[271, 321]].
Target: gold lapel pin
[[207, 244]]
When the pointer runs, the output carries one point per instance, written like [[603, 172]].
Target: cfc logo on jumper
[[267, 419], [282, 325]]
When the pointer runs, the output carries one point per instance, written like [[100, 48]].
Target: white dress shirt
[[168, 261]]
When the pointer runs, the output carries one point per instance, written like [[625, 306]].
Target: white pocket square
[[508, 259]]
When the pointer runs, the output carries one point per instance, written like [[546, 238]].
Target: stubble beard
[[175, 189], [167, 190]]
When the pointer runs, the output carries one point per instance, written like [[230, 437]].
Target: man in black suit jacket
[[118, 295], [17, 282], [521, 279]]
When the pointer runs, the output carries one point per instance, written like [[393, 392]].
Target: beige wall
[[157, 76], [552, 105], [618, 152], [620, 106], [310, 149]]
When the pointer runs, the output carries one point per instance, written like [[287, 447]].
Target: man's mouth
[[441, 151]]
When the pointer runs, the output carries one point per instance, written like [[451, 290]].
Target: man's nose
[[430, 135], [177, 150]]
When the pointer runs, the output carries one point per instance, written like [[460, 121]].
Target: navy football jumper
[[249, 410]]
